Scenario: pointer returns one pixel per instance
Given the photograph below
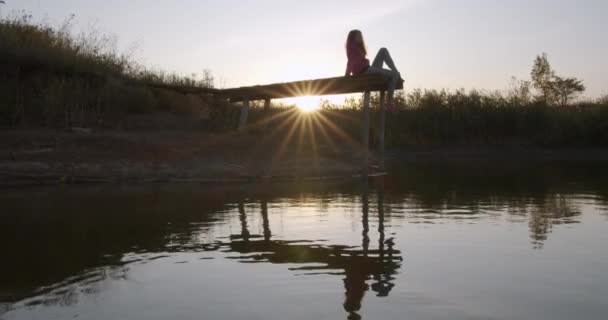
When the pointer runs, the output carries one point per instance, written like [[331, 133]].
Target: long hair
[[353, 37]]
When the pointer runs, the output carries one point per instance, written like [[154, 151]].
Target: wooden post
[[382, 130], [266, 105], [365, 131], [244, 114], [266, 122], [382, 123]]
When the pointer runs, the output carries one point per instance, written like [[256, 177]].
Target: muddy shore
[[32, 157]]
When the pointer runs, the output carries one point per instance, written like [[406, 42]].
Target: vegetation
[[57, 78], [546, 116], [432, 117], [553, 88]]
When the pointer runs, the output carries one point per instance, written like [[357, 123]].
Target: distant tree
[[542, 76], [553, 88], [603, 99], [567, 88]]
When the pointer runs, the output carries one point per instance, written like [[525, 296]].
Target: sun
[[306, 103]]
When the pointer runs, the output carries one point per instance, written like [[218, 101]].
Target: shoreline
[[51, 157]]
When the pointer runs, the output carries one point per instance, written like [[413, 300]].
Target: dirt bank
[[51, 156], [84, 156]]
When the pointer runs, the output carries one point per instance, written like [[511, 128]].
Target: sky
[[435, 43]]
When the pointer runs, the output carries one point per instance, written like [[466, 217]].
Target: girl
[[359, 64]]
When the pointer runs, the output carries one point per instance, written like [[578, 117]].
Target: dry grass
[[55, 77]]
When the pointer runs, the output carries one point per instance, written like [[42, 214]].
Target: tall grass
[[441, 117], [56, 77], [454, 118]]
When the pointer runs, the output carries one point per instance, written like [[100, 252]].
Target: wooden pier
[[366, 84], [328, 86]]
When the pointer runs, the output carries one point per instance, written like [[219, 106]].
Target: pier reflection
[[363, 268]]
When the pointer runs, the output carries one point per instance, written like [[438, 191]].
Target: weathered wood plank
[[318, 87]]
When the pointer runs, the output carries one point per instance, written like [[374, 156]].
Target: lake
[[435, 241]]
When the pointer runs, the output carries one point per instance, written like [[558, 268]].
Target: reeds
[[433, 117], [460, 118]]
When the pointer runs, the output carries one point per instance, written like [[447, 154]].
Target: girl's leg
[[379, 70], [383, 57], [394, 76]]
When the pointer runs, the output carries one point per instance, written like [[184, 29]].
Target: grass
[[54, 77], [465, 118], [459, 118]]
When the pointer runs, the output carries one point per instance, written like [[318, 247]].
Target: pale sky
[[435, 43]]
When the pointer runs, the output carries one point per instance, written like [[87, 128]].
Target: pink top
[[357, 62]]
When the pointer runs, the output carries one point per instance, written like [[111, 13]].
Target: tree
[[542, 76], [567, 88], [553, 88]]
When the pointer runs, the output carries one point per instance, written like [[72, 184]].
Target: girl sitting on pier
[[359, 64]]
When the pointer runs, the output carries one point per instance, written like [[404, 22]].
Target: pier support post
[[382, 130], [244, 114], [266, 105], [266, 121], [365, 131]]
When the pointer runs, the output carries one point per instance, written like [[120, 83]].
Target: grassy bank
[[53, 77]]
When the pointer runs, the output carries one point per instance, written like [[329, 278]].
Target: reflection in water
[[60, 248], [357, 266], [541, 196], [245, 235], [265, 221], [555, 210]]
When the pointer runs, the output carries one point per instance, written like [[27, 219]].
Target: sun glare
[[307, 103], [313, 103]]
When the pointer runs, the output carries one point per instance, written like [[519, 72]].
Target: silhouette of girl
[[358, 63]]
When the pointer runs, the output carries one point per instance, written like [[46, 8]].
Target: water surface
[[427, 242]]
